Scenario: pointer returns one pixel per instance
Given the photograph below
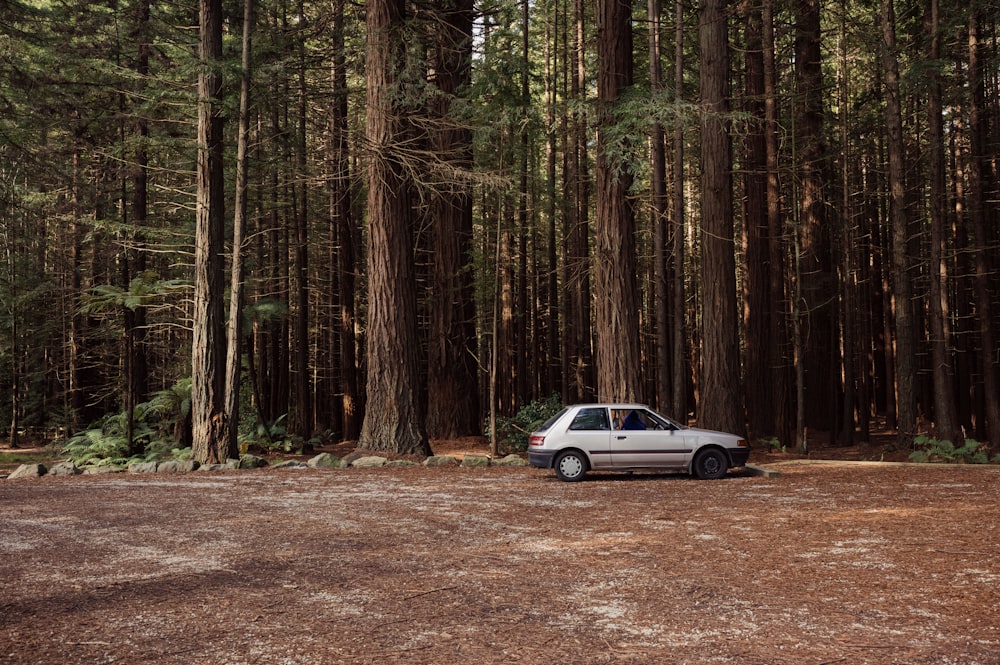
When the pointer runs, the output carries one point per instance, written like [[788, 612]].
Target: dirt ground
[[825, 563]]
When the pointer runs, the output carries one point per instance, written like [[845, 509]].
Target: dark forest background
[[402, 220]]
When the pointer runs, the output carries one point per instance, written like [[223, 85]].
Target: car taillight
[[536, 440]]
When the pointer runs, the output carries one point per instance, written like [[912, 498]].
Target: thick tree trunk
[[977, 219], [721, 403], [208, 346], [618, 370], [453, 388], [906, 418], [816, 319], [945, 410], [758, 319], [393, 420]]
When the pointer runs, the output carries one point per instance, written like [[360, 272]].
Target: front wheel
[[570, 466], [710, 464]]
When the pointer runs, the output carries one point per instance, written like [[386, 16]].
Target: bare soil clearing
[[822, 564]]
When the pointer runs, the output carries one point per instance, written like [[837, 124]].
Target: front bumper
[[738, 456], [541, 458]]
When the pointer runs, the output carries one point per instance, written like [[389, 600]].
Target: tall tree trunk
[[453, 387], [344, 233], [618, 369], [721, 403], [778, 343], [679, 369], [817, 320], [234, 331], [300, 420], [906, 422], [661, 218], [208, 346], [945, 410], [393, 420], [758, 318], [977, 219]]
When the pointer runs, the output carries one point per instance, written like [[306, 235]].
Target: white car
[[625, 437]]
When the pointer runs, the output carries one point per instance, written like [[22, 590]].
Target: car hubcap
[[571, 466], [711, 465]]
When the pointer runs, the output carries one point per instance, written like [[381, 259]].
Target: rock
[[511, 460], [324, 461], [401, 462], [475, 460], [440, 460], [174, 466], [97, 470], [142, 467], [289, 464], [228, 465], [64, 469], [369, 462], [28, 471], [252, 462]]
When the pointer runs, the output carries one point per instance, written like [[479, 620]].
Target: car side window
[[591, 419]]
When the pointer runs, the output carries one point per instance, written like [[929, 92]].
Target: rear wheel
[[570, 466], [710, 464]]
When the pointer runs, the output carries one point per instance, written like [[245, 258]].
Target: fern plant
[[929, 449], [514, 431]]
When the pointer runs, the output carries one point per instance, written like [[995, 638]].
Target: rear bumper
[[541, 458]]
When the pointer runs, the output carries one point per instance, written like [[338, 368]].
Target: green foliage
[[934, 450], [155, 426], [514, 431], [773, 444]]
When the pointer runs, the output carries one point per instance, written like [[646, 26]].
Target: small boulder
[[174, 466], [28, 471], [511, 460], [324, 461], [370, 461], [142, 467], [440, 460], [252, 462], [289, 464], [475, 460], [66, 468], [401, 462], [97, 470]]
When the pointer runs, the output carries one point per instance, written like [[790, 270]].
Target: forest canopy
[[402, 220]]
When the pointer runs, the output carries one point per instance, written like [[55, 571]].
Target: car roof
[[611, 405]]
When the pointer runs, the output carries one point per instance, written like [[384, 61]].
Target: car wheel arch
[[698, 452]]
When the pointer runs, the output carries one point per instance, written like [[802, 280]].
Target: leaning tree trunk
[[393, 421]]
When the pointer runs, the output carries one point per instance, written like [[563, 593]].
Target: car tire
[[710, 464], [570, 466]]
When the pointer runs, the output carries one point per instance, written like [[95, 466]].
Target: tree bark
[[679, 370], [618, 371], [393, 420], [945, 410], [453, 388], [721, 402], [660, 222], [208, 345], [234, 331], [906, 420]]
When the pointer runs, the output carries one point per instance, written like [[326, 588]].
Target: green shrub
[[928, 449], [513, 432]]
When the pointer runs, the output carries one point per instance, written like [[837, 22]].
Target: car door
[[643, 440], [590, 430]]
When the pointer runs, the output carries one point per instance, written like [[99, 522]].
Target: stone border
[[320, 461]]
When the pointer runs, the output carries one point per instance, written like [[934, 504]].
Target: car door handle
[[622, 437]]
